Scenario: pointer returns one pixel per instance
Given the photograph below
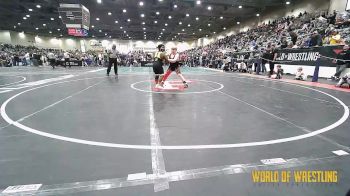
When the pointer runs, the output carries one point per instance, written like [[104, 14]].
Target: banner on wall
[[301, 56], [309, 56]]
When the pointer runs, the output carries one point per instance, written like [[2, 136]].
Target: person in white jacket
[[300, 75]]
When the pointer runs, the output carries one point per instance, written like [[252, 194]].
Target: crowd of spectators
[[28, 55], [305, 30]]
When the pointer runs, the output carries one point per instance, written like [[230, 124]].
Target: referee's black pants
[[112, 61]]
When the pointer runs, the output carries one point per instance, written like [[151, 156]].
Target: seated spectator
[[316, 39], [335, 38], [242, 67], [344, 81], [278, 73], [299, 75]]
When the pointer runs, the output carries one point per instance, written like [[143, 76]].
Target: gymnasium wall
[[338, 5], [18, 38]]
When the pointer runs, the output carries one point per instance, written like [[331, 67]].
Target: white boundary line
[[185, 93], [158, 165], [181, 147], [23, 79]]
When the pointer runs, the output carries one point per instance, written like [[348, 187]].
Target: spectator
[[344, 81], [316, 39], [278, 73], [342, 60], [299, 75]]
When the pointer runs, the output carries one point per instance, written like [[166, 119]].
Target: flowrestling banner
[[300, 56], [309, 56]]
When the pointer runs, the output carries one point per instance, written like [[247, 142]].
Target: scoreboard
[[77, 32], [76, 17]]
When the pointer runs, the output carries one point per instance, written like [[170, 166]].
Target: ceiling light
[[124, 10], [92, 26], [155, 22], [116, 21], [100, 30], [169, 17], [97, 18], [44, 25], [183, 29], [38, 6], [240, 7], [193, 33], [142, 15], [19, 23], [50, 32], [99, 1], [287, 2], [27, 16], [221, 17], [214, 32], [187, 15], [143, 23], [141, 3], [109, 13], [189, 25], [30, 10], [144, 32], [209, 25], [197, 18], [121, 27], [198, 2], [37, 28], [224, 28], [157, 13], [166, 24], [52, 19], [105, 34], [200, 29], [175, 6], [24, 18], [58, 29], [180, 23], [128, 20], [59, 17], [257, 14], [161, 33], [124, 31], [209, 7], [206, 35], [14, 27], [163, 29], [238, 23], [144, 28]]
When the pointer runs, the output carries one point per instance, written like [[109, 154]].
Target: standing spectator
[[343, 60], [66, 56], [52, 59]]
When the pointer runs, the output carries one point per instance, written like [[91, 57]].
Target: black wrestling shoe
[[185, 84]]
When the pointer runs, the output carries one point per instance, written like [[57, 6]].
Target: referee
[[113, 56]]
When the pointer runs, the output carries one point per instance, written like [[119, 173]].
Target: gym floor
[[78, 132]]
